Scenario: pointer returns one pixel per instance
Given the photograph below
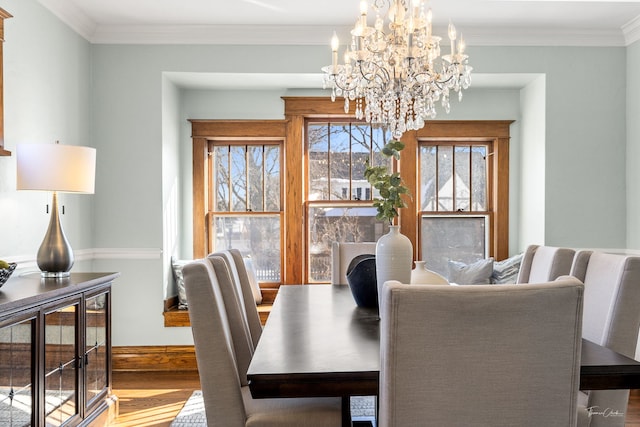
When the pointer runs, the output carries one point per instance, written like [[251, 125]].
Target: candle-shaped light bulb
[[452, 38], [461, 45], [452, 31], [335, 43], [363, 7], [363, 13], [415, 8], [429, 20]]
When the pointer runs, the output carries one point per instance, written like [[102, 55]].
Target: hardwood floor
[[152, 398], [155, 398], [633, 410]]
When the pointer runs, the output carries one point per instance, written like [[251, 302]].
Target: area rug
[[192, 414]]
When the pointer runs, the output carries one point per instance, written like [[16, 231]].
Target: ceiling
[[483, 22]]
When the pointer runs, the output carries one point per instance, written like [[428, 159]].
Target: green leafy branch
[[389, 184]]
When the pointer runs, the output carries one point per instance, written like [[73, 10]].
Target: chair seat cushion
[[296, 412]]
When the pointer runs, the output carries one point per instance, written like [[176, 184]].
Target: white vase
[[394, 258], [423, 276]]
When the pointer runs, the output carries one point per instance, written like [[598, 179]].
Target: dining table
[[318, 343]]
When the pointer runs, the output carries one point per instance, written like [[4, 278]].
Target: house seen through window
[[339, 198], [454, 210]]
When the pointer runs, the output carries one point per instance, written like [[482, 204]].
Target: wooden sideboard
[[55, 349]]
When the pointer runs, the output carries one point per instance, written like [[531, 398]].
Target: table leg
[[346, 411]]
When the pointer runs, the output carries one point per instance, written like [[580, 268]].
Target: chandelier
[[395, 73]]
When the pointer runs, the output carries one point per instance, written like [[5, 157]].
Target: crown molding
[[213, 34], [321, 35], [303, 35], [631, 31]]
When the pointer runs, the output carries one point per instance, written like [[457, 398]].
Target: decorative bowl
[[5, 273]]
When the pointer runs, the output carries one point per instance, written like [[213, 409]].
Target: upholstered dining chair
[[480, 355], [244, 290], [227, 399], [544, 263], [238, 326], [341, 256], [611, 319]]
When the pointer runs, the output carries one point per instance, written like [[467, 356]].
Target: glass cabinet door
[[60, 363], [95, 353], [16, 373]]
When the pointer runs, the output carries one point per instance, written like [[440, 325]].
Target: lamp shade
[[56, 167]]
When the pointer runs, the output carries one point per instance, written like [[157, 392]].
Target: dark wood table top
[[604, 369], [317, 342]]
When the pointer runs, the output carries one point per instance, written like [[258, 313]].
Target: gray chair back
[[341, 256], [480, 355], [544, 263], [611, 319], [227, 402], [219, 379], [242, 286], [240, 334]]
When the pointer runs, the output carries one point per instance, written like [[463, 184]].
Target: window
[[324, 196], [246, 199], [339, 203], [454, 188]]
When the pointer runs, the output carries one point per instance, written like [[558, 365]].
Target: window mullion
[[453, 178], [471, 178], [329, 160], [350, 161], [437, 176], [247, 198], [264, 179]]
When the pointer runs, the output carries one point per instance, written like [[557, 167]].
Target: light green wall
[[529, 200], [115, 98], [585, 201], [47, 97], [633, 146]]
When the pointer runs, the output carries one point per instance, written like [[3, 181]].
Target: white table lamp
[[57, 168]]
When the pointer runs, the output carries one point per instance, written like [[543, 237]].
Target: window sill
[[180, 318]]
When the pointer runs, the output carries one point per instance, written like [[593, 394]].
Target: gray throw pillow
[[506, 271], [477, 273], [177, 265]]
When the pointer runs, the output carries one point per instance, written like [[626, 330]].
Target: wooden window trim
[[3, 15], [495, 132], [297, 109], [241, 131]]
